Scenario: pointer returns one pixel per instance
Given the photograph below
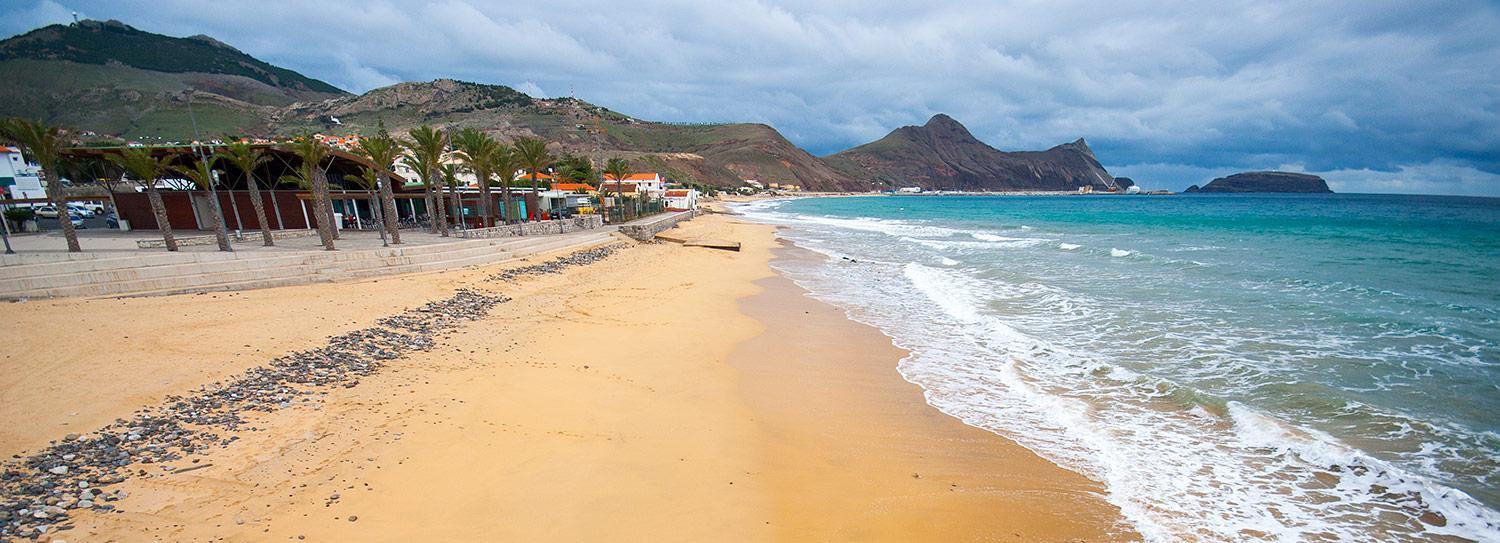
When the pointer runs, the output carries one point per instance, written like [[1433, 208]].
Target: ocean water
[[1229, 367]]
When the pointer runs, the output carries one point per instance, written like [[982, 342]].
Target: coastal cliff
[[1265, 182], [943, 155]]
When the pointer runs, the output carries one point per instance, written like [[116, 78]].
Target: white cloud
[[531, 89], [37, 14], [1240, 84], [1436, 177]]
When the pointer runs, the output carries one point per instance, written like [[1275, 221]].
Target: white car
[[87, 209], [48, 212]]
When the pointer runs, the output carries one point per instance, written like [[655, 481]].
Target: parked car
[[48, 212], [87, 208], [77, 220], [112, 221]]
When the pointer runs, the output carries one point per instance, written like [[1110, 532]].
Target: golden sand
[[668, 393]]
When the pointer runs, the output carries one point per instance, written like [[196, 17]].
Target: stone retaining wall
[[536, 228], [647, 230], [212, 240]]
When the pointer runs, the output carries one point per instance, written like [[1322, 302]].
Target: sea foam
[[1035, 363]]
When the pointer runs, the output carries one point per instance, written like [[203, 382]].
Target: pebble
[[33, 488], [557, 265]]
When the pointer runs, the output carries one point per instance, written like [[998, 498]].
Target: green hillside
[[111, 42]]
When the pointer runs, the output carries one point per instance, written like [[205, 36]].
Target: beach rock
[[59, 470]]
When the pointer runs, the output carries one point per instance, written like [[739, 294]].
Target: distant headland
[[1265, 182]]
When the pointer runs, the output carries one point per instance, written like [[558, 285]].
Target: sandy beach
[[665, 393]]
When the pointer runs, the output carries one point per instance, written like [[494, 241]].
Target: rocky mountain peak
[[1080, 146]]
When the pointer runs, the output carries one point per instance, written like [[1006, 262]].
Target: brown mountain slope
[[714, 154], [943, 155]]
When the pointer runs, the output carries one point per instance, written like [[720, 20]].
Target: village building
[[681, 199], [651, 184], [19, 179]]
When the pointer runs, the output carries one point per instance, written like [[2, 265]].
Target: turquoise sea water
[[1231, 367]]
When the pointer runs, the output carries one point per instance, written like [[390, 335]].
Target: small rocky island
[[1265, 182]]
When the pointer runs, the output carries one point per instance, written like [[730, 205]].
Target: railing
[[631, 211]]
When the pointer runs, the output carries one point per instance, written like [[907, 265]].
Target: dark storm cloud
[[1390, 96]]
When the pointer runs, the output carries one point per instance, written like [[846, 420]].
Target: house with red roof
[[651, 184], [681, 199]]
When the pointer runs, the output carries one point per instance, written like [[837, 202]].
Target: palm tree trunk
[[535, 195], [441, 213], [379, 219], [457, 210], [160, 210], [260, 211], [484, 197], [505, 202], [430, 200], [221, 231], [325, 220], [328, 209], [388, 206], [60, 202]]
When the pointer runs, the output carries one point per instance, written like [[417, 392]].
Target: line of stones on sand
[[557, 265], [38, 491]]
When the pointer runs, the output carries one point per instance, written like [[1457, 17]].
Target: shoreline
[[905, 471], [654, 395]]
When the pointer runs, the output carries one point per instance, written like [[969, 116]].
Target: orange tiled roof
[[4, 149], [573, 186], [618, 187], [677, 193], [648, 176]]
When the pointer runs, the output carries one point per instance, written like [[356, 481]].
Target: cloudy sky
[[1376, 96]]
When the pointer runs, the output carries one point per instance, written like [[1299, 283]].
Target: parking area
[[91, 223]]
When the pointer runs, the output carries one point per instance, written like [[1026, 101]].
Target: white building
[[682, 199], [652, 184], [19, 178], [910, 190]]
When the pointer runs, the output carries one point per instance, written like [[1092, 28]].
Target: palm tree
[[505, 162], [147, 169], [475, 149], [44, 144], [246, 159], [426, 146], [202, 175], [533, 154], [382, 151], [311, 175], [617, 168]]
